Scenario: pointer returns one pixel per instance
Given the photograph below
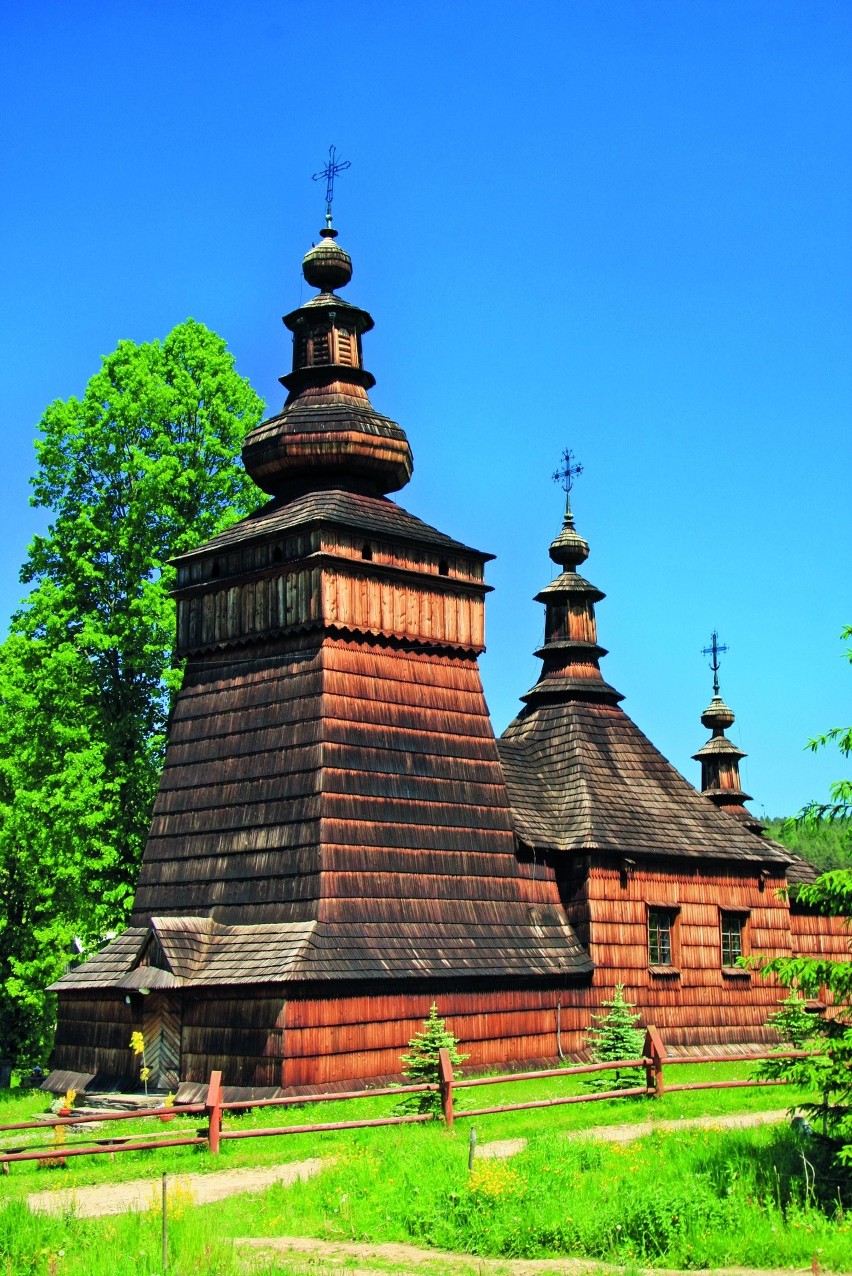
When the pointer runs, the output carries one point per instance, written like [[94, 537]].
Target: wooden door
[[161, 1026]]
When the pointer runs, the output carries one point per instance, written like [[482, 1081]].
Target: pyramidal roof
[[581, 775]]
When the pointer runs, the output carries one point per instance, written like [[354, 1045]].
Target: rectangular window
[[732, 938], [659, 937]]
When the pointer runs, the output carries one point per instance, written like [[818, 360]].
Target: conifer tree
[[828, 1075], [793, 1022], [421, 1064], [614, 1037]]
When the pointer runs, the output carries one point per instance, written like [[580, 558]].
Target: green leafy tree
[[421, 1063], [827, 1075], [840, 806], [823, 842], [142, 467], [613, 1037]]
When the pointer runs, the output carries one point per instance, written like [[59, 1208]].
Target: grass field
[[683, 1199], [27, 1177]]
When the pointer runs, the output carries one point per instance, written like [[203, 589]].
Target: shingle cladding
[[211, 955], [336, 812], [334, 507], [581, 776]]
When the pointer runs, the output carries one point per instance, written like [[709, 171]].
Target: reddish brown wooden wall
[[697, 1002], [815, 936], [401, 592], [337, 1038]]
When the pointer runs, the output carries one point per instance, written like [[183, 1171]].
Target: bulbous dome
[[569, 549], [326, 266], [717, 716]]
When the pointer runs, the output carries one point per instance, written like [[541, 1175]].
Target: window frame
[[741, 917], [672, 914]]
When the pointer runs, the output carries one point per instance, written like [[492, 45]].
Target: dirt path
[[502, 1148], [201, 1189], [144, 1194], [336, 1256], [638, 1129]]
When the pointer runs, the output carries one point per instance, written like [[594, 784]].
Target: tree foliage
[[613, 1037], [421, 1063], [824, 843], [793, 1022], [827, 1075], [142, 467], [840, 805]]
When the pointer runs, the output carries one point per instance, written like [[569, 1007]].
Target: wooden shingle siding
[[700, 1002], [816, 936], [336, 597], [243, 1035], [93, 1033], [350, 1037]]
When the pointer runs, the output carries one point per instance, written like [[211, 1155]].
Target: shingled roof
[[337, 812], [333, 507], [582, 776], [208, 954]]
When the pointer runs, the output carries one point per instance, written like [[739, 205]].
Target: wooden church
[[339, 840]]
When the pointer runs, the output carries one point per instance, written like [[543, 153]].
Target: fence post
[[214, 1112], [445, 1076], [654, 1051]]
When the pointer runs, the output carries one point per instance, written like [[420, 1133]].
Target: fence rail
[[654, 1061]]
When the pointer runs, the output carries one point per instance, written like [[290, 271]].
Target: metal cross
[[332, 168], [715, 650], [568, 471]]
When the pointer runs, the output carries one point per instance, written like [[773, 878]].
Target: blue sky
[[620, 227]]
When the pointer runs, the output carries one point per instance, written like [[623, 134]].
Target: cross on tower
[[565, 475], [568, 471], [715, 650], [332, 168]]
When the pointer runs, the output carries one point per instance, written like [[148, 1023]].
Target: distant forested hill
[[826, 843]]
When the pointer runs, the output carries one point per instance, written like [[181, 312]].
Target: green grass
[[733, 1197], [26, 1176], [671, 1199]]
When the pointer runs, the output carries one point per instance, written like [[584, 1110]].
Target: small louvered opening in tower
[[344, 347], [320, 352]]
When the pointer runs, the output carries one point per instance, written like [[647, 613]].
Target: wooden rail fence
[[654, 1060]]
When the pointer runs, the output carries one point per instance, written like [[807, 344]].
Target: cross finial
[[568, 470], [714, 651], [332, 168]]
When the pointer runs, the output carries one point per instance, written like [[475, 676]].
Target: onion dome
[[328, 432], [326, 266], [569, 549], [570, 653], [720, 764], [717, 717]]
